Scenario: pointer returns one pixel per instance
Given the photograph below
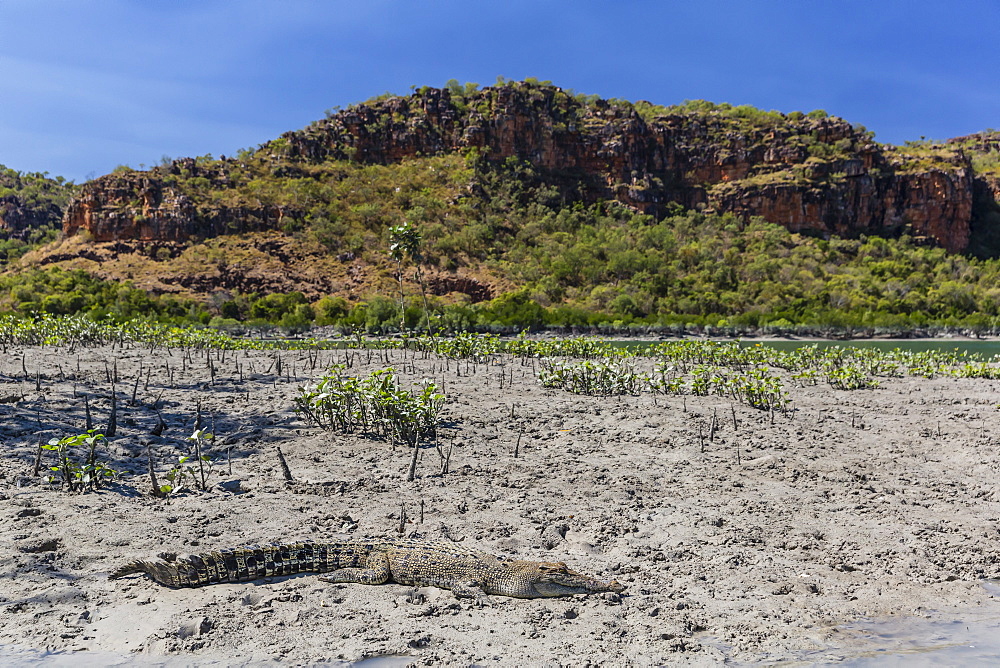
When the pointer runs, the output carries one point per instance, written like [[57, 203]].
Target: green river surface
[[985, 348]]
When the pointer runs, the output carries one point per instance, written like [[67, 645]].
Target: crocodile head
[[555, 579]]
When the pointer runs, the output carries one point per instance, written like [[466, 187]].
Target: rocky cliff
[[17, 218], [30, 201], [144, 206], [810, 173]]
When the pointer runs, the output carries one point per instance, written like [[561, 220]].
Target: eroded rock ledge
[[817, 175]]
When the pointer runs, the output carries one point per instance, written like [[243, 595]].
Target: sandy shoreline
[[759, 545]]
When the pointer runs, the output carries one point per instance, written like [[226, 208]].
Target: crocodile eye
[[554, 567]]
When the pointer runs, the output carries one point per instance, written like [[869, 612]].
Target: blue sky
[[87, 86]]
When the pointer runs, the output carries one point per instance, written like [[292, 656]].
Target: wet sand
[[767, 542]]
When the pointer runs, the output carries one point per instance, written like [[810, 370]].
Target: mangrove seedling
[[79, 475], [183, 476], [200, 437]]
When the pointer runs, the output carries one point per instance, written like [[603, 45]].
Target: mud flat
[[767, 541]]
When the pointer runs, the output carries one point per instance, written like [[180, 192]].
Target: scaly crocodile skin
[[438, 563]]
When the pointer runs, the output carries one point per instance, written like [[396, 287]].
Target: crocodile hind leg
[[375, 571]]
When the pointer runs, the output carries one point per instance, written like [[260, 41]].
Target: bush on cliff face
[[13, 245], [35, 189]]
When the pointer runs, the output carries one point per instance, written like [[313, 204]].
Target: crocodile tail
[[127, 569], [236, 565], [161, 571]]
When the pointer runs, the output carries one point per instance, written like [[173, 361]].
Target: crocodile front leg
[[470, 589], [376, 571]]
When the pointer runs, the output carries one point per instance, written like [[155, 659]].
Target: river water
[[982, 347], [939, 638]]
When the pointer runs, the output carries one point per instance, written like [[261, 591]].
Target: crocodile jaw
[[549, 589], [555, 579]]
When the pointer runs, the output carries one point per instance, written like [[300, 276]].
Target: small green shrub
[[79, 472], [373, 405], [464, 345], [183, 476], [592, 377], [848, 377]]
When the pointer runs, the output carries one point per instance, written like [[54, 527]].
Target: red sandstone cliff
[[810, 174], [30, 202], [140, 206], [18, 219]]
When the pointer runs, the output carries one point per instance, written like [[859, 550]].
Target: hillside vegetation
[[299, 231]]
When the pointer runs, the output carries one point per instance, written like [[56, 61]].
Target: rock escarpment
[[936, 204], [143, 206], [813, 174], [17, 218], [30, 201]]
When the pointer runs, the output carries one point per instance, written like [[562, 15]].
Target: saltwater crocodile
[[467, 572]]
